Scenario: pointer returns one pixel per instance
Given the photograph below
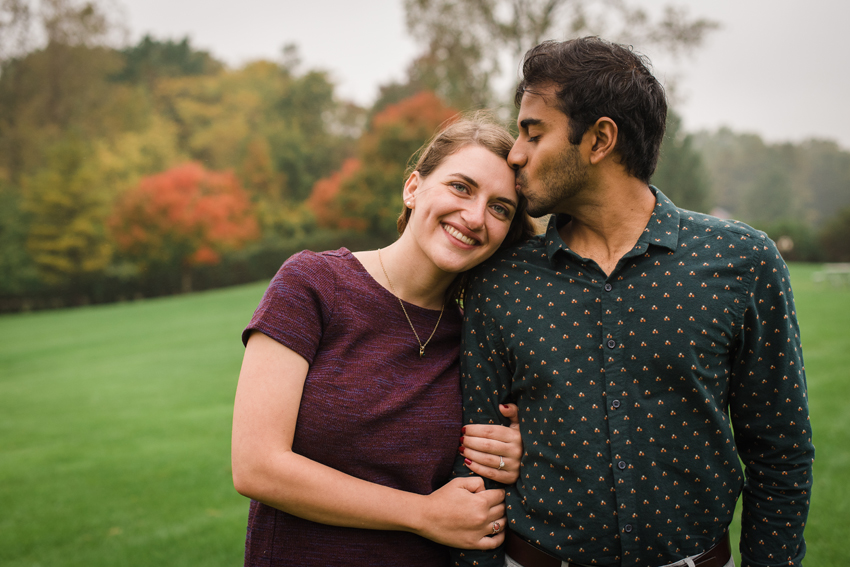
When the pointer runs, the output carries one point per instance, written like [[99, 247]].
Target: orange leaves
[[322, 200], [421, 109], [366, 193], [185, 213]]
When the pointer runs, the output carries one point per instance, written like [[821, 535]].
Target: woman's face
[[463, 209]]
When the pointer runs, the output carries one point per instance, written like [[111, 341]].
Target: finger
[[494, 459], [495, 498], [484, 459], [511, 411], [471, 483], [495, 539], [502, 476], [485, 447], [488, 431], [491, 541]]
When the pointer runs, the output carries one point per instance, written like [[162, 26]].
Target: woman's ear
[[603, 139], [410, 187]]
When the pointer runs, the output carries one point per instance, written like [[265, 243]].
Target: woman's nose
[[473, 215]]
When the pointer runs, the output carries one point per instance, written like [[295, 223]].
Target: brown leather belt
[[529, 556]]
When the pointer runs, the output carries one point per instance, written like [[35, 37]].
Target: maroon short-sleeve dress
[[371, 407]]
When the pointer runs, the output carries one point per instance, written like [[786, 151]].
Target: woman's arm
[[461, 514]]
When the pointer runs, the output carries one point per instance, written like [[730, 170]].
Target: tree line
[[153, 168]]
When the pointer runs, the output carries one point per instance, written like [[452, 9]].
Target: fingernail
[[467, 462], [461, 440], [460, 449], [463, 429]]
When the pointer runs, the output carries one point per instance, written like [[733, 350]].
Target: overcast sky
[[777, 68]]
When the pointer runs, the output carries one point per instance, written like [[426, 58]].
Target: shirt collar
[[661, 230]]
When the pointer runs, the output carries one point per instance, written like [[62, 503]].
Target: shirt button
[[611, 343], [627, 528], [615, 404], [621, 465], [608, 287]]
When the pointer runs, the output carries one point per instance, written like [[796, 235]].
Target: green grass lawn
[[115, 430], [115, 433]]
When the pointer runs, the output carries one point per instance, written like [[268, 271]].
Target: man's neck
[[607, 226]]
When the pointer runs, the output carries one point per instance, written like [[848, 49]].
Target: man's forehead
[[537, 102]]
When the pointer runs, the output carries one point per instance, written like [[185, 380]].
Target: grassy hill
[[115, 429]]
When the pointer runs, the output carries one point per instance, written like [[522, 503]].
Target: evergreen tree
[[681, 174]]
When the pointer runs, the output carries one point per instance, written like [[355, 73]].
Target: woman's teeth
[[457, 234]]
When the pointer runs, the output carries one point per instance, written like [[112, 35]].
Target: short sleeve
[[297, 306]]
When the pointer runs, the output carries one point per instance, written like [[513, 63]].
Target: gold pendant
[[421, 351]]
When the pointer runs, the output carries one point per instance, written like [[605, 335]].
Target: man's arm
[[770, 416], [485, 383]]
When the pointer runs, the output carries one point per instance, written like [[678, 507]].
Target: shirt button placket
[[612, 343]]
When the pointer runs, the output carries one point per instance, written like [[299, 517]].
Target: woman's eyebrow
[[466, 178], [474, 183]]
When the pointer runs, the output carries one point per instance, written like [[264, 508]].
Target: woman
[[348, 406]]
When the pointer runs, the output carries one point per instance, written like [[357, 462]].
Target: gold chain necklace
[[409, 322]]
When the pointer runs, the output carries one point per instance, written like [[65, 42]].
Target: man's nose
[[517, 157]]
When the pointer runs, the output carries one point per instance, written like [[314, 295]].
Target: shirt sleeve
[[485, 383], [770, 417], [297, 306]]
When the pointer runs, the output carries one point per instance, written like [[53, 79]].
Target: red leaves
[[322, 198], [366, 193], [186, 212]]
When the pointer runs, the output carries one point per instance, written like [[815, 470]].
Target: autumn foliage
[[322, 199], [187, 214], [365, 194]]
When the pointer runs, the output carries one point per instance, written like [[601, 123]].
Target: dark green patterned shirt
[[640, 391]]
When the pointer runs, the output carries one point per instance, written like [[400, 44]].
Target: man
[[649, 348]]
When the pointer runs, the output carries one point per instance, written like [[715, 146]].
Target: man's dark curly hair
[[595, 78]]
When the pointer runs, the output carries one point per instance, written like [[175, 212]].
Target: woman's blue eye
[[500, 210], [460, 187]]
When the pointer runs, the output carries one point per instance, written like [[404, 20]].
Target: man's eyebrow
[[524, 124]]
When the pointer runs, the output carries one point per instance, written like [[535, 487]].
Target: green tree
[[18, 273], [219, 117], [769, 199], [823, 168], [153, 59], [48, 89], [764, 183], [681, 174], [835, 237], [465, 41], [66, 237]]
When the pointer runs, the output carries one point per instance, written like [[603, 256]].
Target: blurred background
[[150, 147]]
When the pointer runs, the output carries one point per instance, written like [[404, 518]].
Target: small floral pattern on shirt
[[641, 392]]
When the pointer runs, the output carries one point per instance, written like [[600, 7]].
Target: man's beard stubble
[[559, 180]]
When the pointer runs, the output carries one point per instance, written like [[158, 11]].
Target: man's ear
[[410, 187], [603, 138]]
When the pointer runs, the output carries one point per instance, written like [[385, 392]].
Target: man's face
[[549, 170]]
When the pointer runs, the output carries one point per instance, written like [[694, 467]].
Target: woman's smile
[[459, 235]]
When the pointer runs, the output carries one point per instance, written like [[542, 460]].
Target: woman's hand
[[463, 514], [484, 447]]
